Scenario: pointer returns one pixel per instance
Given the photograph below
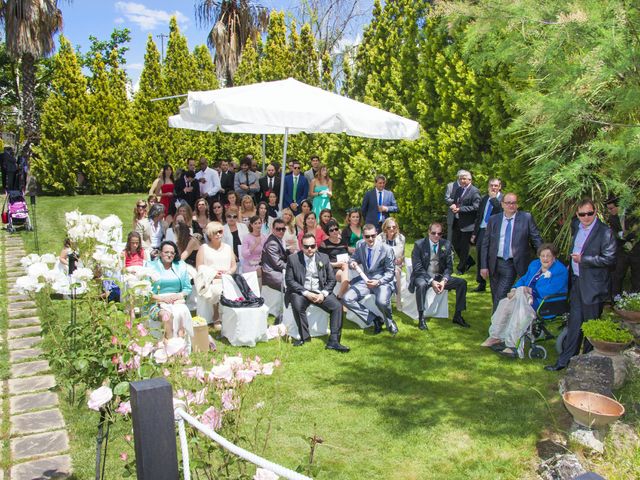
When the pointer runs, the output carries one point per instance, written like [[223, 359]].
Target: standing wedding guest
[[466, 201], [335, 246], [227, 178], [623, 224], [246, 181], [187, 188], [449, 192], [378, 203], [321, 191], [270, 183], [165, 190], [296, 189], [352, 233], [391, 236], [234, 231], [311, 173], [593, 255], [489, 205], [209, 181]]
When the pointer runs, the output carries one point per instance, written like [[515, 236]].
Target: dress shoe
[[422, 325], [392, 327], [458, 320], [377, 325], [337, 347], [554, 368], [299, 343], [459, 272], [479, 289]]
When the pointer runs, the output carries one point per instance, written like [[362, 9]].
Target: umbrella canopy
[[288, 106]]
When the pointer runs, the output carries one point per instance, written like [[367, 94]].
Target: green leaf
[[121, 389]]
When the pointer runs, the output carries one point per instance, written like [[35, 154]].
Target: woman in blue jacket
[[545, 276]]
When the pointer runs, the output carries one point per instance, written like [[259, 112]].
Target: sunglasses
[[296, 168], [219, 232], [232, 216], [371, 236], [309, 247], [217, 206], [586, 214], [141, 206], [280, 229], [436, 234], [334, 229]]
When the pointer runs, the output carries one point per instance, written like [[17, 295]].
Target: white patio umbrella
[[288, 107]]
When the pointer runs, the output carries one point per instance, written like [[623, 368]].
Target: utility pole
[[162, 36]]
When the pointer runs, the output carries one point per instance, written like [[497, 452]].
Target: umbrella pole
[[264, 152], [283, 167]]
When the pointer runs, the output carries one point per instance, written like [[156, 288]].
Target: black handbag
[[248, 299]]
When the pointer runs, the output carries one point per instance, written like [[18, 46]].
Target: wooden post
[[154, 430]]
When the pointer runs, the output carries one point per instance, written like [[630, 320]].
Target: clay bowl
[[592, 409], [629, 315], [608, 348]]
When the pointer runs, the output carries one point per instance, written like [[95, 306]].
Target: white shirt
[[211, 186], [503, 231]]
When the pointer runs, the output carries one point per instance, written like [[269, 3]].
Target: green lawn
[[420, 405]]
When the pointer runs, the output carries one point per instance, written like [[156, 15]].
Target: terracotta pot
[[608, 348], [629, 315], [592, 409]]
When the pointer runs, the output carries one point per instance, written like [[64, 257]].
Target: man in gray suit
[[505, 247], [593, 255], [466, 201], [448, 198], [274, 256], [375, 264]]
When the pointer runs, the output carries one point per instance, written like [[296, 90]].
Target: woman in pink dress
[[133, 252], [251, 248], [165, 190]]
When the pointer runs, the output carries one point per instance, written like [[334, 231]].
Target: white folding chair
[[243, 326]]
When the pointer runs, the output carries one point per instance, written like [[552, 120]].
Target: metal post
[[154, 430], [264, 153], [284, 167], [34, 223]]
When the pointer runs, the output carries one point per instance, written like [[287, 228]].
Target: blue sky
[[143, 17]]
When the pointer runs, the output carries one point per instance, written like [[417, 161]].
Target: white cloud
[[135, 66], [119, 21], [346, 43], [146, 18]]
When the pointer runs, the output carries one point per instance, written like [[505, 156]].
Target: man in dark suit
[[489, 205], [274, 256], [506, 247], [296, 189], [375, 264], [625, 229], [227, 179], [310, 279], [432, 260], [451, 189], [593, 254], [269, 183], [378, 203], [188, 190], [466, 201]]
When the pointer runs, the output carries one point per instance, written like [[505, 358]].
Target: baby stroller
[[552, 309], [17, 213]]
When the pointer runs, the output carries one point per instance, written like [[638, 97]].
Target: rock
[[633, 327], [548, 447], [623, 439], [589, 373], [592, 440], [620, 367], [561, 467], [633, 355]]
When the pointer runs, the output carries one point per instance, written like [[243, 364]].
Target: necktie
[[380, 204], [369, 258], [506, 249], [271, 184], [435, 248], [295, 188], [246, 175], [488, 214]]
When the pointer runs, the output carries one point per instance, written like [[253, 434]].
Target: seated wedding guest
[[170, 291], [133, 252], [332, 247], [311, 226], [234, 231], [184, 209], [251, 249], [324, 218], [62, 262], [263, 213], [232, 199], [274, 258], [305, 207], [310, 279], [170, 233], [154, 229], [151, 199], [247, 209], [432, 261], [352, 233], [217, 212], [376, 275], [213, 260], [545, 276], [291, 233], [201, 216], [273, 205], [188, 245], [391, 236], [139, 215]]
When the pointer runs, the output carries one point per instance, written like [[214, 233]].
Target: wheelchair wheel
[[536, 352], [560, 339]]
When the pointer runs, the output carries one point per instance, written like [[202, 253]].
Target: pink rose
[[143, 331], [267, 368], [228, 402], [195, 372], [175, 346], [221, 372], [200, 396], [99, 397], [124, 408], [124, 457], [147, 349], [245, 376], [236, 361], [114, 340], [127, 438], [160, 356], [212, 418]]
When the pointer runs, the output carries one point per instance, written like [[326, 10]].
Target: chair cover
[[435, 306], [317, 318], [273, 299], [243, 326]]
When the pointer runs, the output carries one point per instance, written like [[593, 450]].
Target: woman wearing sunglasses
[[391, 236], [335, 247], [234, 231]]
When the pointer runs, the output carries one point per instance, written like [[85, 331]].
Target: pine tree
[[308, 71], [276, 64], [205, 68], [248, 71]]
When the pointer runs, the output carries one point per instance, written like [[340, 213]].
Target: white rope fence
[[182, 416]]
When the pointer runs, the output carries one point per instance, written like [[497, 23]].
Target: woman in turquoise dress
[[321, 191]]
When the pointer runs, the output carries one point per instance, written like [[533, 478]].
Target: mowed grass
[[422, 405]]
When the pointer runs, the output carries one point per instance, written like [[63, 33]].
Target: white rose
[[98, 398]]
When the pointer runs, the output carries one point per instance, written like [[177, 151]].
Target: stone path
[[37, 435]]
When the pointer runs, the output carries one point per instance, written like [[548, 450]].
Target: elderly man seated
[[545, 276]]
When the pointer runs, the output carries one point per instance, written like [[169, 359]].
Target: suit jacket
[[274, 261], [524, 232], [297, 270], [227, 180], [370, 205], [382, 263], [421, 258], [468, 208], [189, 197], [301, 194], [264, 189], [598, 257], [496, 208]]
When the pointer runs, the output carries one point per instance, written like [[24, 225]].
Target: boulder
[[588, 439], [561, 467], [620, 367], [590, 373], [633, 357], [622, 439]]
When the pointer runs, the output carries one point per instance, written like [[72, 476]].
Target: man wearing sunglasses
[[296, 188], [432, 260], [310, 279], [593, 254], [274, 256], [375, 262]]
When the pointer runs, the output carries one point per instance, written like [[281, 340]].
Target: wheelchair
[[551, 313]]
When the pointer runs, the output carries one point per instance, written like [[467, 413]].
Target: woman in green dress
[[352, 233], [320, 189]]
